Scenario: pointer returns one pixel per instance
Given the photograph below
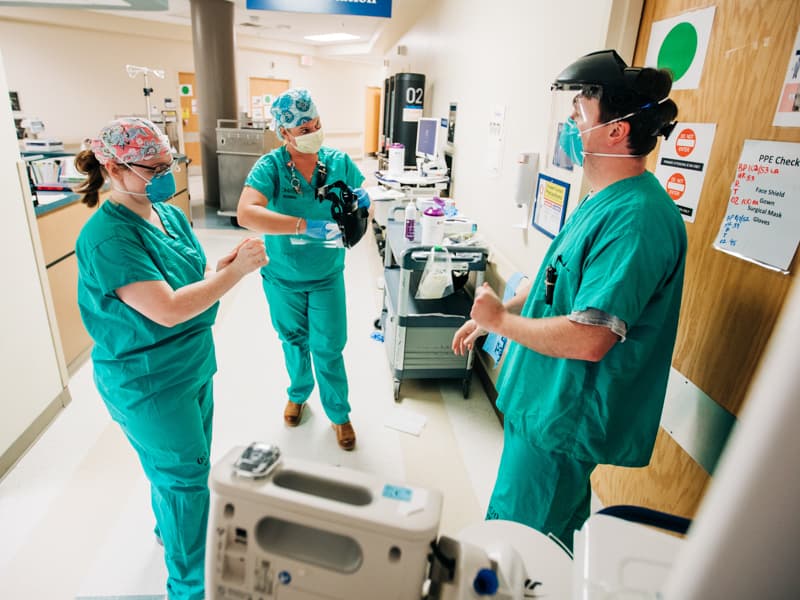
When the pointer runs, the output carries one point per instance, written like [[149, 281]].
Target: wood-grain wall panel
[[730, 306]]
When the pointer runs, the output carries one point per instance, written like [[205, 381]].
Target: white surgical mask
[[309, 143]]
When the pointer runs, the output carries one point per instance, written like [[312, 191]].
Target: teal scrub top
[[623, 252], [271, 176], [135, 358]]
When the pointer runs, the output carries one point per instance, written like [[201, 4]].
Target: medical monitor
[[429, 138]]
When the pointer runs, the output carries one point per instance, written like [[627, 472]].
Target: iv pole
[[133, 71]]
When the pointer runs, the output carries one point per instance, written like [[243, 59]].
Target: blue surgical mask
[[161, 187], [570, 141]]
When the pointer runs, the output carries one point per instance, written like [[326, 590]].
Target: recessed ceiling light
[[331, 37]]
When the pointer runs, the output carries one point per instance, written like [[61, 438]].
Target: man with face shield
[[148, 300], [592, 336], [304, 281]]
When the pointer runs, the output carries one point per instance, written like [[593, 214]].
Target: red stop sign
[[676, 186], [685, 143]]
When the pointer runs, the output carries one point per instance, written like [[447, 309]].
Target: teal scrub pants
[[548, 491], [173, 448], [311, 321]]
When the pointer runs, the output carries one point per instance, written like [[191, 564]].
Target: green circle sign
[[678, 50], [185, 90]]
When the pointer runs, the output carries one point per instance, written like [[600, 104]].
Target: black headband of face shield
[[604, 74]]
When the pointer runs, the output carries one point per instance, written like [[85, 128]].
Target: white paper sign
[[787, 114], [762, 223], [681, 166], [680, 44]]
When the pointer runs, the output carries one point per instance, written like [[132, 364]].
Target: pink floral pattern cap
[[129, 140]]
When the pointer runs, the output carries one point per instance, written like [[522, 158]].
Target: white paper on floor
[[406, 421]]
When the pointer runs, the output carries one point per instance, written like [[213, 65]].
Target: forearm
[[191, 300], [558, 336], [263, 220]]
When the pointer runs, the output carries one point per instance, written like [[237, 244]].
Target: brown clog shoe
[[345, 435], [293, 413]]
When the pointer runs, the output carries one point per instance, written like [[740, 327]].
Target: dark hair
[[86, 162], [642, 97]]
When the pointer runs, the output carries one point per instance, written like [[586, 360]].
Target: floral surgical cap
[[129, 140], [291, 109]]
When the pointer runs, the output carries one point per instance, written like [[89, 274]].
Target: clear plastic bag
[[437, 279]]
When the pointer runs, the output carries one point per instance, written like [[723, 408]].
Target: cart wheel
[[234, 221], [466, 385], [397, 390]]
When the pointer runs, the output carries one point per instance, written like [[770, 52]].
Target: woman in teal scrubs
[[304, 281], [586, 372], [148, 300]]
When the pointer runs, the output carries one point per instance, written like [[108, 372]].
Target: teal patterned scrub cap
[[291, 109]]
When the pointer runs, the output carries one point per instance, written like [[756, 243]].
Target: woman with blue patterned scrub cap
[[148, 300], [304, 281]]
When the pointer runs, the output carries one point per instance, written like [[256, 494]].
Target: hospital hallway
[[75, 510]]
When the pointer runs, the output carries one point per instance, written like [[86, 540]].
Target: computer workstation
[[431, 169]]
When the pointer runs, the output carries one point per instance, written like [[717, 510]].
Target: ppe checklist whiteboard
[[762, 223]]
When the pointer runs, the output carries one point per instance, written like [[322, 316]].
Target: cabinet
[[418, 334], [58, 231]]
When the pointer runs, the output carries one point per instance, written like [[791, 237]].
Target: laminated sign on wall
[[681, 166], [762, 223]]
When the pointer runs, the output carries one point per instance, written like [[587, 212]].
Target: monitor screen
[[427, 130]]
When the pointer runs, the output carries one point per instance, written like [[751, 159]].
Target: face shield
[[575, 115]]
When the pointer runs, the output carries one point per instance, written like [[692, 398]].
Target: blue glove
[[322, 230], [362, 197]]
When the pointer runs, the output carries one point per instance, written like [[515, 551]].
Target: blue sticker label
[[285, 577], [397, 493], [364, 8]]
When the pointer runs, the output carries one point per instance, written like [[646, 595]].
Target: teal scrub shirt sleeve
[[263, 177], [118, 262], [621, 276]]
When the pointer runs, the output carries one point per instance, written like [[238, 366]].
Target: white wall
[[29, 367], [480, 54], [71, 73], [337, 86]]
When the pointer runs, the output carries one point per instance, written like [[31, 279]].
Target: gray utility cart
[[418, 333], [239, 145]]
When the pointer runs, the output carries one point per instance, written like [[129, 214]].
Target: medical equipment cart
[[418, 334]]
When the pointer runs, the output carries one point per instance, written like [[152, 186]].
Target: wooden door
[[729, 305], [262, 92], [372, 112], [189, 115]]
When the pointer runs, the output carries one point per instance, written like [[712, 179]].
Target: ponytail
[[86, 162]]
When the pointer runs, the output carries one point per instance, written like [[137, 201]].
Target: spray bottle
[[410, 220]]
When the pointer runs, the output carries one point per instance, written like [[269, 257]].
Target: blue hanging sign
[[364, 8]]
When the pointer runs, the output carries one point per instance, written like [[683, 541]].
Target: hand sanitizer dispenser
[[527, 171]]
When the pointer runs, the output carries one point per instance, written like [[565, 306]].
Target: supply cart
[[418, 334]]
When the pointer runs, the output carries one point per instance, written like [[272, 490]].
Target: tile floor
[[75, 514]]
